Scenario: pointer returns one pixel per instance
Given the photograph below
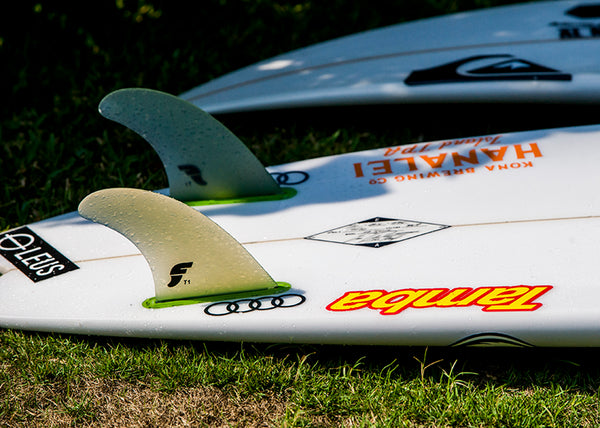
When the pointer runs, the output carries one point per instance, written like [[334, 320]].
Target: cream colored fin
[[189, 255], [202, 158]]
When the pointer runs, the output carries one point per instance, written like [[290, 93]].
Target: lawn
[[60, 58]]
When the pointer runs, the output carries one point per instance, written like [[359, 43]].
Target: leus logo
[[491, 299], [177, 273], [32, 255], [485, 68]]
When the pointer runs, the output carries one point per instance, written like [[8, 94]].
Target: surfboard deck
[[531, 52], [485, 240]]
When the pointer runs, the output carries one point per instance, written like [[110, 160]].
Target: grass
[[60, 59], [70, 380], [73, 380]]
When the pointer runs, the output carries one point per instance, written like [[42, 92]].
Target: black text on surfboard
[[570, 30], [32, 255]]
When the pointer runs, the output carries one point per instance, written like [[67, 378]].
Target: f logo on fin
[[177, 273], [194, 173]]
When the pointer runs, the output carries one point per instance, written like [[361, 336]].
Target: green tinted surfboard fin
[[202, 158], [190, 256]]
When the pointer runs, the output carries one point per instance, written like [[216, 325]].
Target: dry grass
[[117, 404]]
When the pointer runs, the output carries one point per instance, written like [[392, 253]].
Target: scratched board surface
[[490, 239], [531, 52]]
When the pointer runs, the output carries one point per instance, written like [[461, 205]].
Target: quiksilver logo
[[177, 273], [33, 256], [485, 68]]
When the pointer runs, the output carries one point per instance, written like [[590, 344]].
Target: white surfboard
[[483, 240], [531, 52]]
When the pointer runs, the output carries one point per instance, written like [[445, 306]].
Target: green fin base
[[151, 303], [286, 193]]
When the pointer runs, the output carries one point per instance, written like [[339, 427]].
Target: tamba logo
[[490, 299], [32, 255], [177, 273]]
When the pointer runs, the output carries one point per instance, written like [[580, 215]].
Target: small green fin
[[152, 303], [190, 256], [202, 158], [286, 193]]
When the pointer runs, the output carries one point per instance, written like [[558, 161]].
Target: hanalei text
[[417, 162]]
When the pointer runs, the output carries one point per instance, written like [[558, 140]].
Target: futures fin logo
[[177, 273], [485, 68], [194, 173]]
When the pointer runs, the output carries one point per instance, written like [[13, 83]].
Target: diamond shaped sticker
[[377, 232]]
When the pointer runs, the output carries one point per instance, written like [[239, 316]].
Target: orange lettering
[[385, 167], [495, 155], [410, 161], [533, 149], [459, 159], [358, 170], [434, 161], [392, 151]]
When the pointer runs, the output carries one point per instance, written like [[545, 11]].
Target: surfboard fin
[[202, 158], [190, 256]]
